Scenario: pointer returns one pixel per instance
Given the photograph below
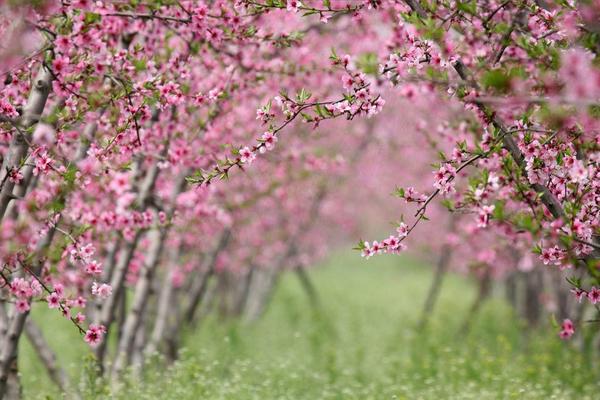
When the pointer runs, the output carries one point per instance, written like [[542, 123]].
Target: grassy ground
[[361, 345]]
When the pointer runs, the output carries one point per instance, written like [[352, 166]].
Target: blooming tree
[[114, 143], [531, 139], [127, 126]]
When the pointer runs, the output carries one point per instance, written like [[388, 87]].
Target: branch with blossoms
[[547, 198], [148, 16], [393, 244], [246, 155], [444, 178], [256, 8], [358, 100], [324, 13], [467, 78], [53, 299]]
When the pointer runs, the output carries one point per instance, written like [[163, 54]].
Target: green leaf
[[496, 79], [70, 174], [140, 65], [469, 7], [91, 18], [360, 245], [333, 56], [58, 204], [307, 117], [553, 321], [321, 111], [449, 204], [498, 213], [594, 111], [574, 281], [302, 96], [250, 31]]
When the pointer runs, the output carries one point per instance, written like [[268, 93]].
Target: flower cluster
[[593, 295], [24, 290], [567, 329], [391, 245], [94, 334]]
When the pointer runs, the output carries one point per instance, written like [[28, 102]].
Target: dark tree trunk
[[482, 294]]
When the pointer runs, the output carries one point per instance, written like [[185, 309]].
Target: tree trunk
[[533, 289], [243, 300], [200, 283], [561, 294], [16, 323], [308, 286], [511, 290], [17, 151], [13, 390], [163, 311], [482, 294], [140, 299], [261, 292], [108, 311], [436, 284]]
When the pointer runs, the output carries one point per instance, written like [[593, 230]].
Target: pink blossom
[[22, 306], [483, 217], [553, 255], [102, 291], [247, 155], [80, 318], [293, 5], [86, 251], [567, 329], [36, 287], [594, 295], [59, 289], [15, 175], [43, 163], [444, 178], [8, 109], [367, 251], [579, 294], [53, 300], [93, 268], [60, 65], [20, 288], [402, 230], [269, 139], [347, 82], [94, 334]]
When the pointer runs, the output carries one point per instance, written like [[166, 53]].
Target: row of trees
[[104, 220], [165, 157]]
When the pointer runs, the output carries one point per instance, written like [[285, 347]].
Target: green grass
[[361, 345]]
